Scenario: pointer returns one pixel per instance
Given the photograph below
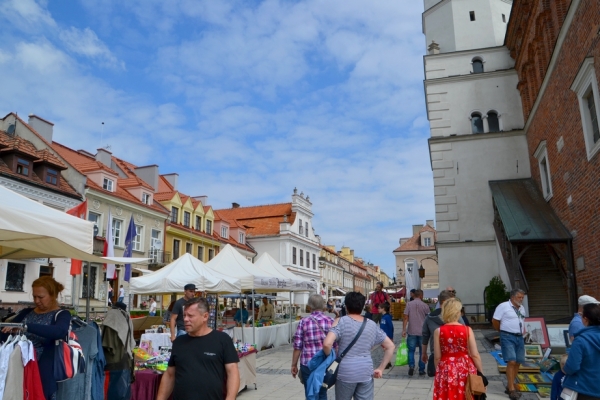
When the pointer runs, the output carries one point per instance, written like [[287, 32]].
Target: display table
[[275, 335], [158, 340], [247, 368], [146, 385]]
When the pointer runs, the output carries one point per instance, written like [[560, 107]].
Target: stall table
[[274, 335], [146, 385], [247, 368], [158, 340]]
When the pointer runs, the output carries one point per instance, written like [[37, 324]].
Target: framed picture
[[556, 335], [535, 332], [533, 351]]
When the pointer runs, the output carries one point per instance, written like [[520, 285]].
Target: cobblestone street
[[275, 381]]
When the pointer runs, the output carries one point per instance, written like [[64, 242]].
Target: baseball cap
[[189, 286], [585, 299]]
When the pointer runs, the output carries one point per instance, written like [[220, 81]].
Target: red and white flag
[[109, 248], [79, 211]]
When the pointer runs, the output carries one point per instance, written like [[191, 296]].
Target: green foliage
[[496, 292], [137, 313]]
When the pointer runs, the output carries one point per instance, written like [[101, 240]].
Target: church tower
[[476, 126]]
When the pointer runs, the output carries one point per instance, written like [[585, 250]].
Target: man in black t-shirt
[[176, 322], [200, 361]]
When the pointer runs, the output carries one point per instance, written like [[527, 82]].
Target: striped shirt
[[357, 365], [309, 336]]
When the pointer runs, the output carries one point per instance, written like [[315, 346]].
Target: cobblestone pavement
[[274, 380]]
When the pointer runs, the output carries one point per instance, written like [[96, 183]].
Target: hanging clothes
[[5, 353], [118, 344], [80, 387], [98, 373], [32, 382], [14, 389]]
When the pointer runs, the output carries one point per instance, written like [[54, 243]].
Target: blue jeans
[[181, 332], [413, 341], [513, 347], [120, 299], [305, 372]]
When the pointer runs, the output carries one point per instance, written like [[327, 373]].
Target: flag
[[109, 249], [79, 211], [131, 234]]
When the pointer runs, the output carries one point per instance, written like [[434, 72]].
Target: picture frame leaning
[[533, 351], [535, 332]]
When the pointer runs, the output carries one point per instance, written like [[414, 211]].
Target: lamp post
[[422, 270]]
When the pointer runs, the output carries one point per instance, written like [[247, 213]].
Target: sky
[[245, 100]]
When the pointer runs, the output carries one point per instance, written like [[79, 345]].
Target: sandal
[[513, 394]]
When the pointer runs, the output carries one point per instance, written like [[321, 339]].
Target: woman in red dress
[[455, 354]]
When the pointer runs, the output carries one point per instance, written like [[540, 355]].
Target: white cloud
[[86, 43], [25, 15]]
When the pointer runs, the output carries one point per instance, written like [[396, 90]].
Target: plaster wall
[[460, 63]]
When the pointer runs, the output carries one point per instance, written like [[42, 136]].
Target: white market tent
[[268, 264], [186, 269]]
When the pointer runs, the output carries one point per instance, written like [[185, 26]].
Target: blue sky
[[244, 99]]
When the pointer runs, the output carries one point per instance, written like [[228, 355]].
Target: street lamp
[[421, 272]]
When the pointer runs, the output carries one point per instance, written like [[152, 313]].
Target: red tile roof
[[260, 220], [49, 158], [414, 243]]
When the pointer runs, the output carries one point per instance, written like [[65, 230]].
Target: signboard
[[430, 285]]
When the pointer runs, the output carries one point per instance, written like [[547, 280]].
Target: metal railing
[[158, 258]]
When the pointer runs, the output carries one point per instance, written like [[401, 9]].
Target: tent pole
[[290, 316], [241, 317], [87, 292], [253, 321]]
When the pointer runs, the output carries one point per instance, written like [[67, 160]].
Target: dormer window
[[224, 232], [145, 198], [108, 184], [51, 176], [427, 242], [242, 237], [186, 219], [22, 167], [301, 228]]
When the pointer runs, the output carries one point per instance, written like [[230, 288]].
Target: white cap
[[585, 299]]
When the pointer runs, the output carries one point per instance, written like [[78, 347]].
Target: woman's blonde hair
[[451, 310]]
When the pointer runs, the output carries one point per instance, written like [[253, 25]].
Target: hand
[[377, 373], [403, 333], [173, 337], [294, 371], [9, 329], [425, 358]]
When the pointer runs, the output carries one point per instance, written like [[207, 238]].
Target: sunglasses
[[452, 291]]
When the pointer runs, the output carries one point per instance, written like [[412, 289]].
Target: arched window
[[477, 66], [493, 122], [476, 123]]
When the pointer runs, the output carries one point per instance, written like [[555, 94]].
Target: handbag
[[68, 357], [430, 366], [332, 370], [402, 354], [475, 385], [568, 394]]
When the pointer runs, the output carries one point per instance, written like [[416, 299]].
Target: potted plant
[[495, 293]]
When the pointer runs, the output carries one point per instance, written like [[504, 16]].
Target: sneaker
[[388, 366], [421, 373], [411, 371]]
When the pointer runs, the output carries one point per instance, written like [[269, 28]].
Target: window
[[200, 253], [95, 218], [426, 242], [294, 255], [174, 215], [198, 222], [224, 232], [586, 87], [541, 154], [477, 66], [306, 229], [301, 228], [46, 270], [314, 262], [176, 244], [188, 248], [211, 254], [15, 277], [137, 240], [89, 282], [209, 227], [307, 259], [108, 184], [476, 123], [503, 18], [493, 121], [242, 237], [156, 242], [22, 167], [186, 219], [301, 258], [51, 176], [117, 225], [472, 15], [145, 198]]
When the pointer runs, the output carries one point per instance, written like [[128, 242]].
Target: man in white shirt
[[152, 312], [508, 319], [266, 312]]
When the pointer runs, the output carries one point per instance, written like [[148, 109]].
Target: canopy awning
[[337, 289], [525, 214]]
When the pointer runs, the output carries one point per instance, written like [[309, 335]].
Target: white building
[[285, 231], [476, 120]]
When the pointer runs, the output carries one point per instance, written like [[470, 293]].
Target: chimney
[[173, 179], [430, 223], [201, 199], [149, 174], [434, 48], [416, 229], [105, 157], [235, 205], [403, 240], [43, 127]]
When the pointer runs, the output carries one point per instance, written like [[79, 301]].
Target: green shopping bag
[[402, 354]]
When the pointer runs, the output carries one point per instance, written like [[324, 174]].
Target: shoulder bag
[[68, 356], [568, 394], [332, 370]]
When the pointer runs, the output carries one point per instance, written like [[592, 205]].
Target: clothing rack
[[13, 325]]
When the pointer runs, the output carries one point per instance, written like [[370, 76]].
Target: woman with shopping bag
[[455, 356]]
